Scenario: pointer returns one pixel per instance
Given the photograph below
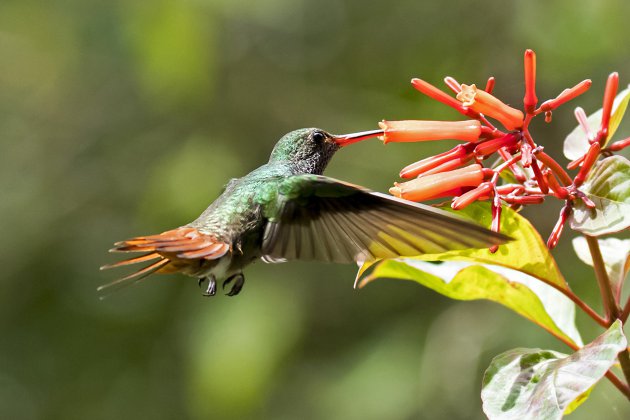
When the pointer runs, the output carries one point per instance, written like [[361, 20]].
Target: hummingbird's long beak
[[346, 139]]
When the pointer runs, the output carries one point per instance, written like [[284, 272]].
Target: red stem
[[626, 311]]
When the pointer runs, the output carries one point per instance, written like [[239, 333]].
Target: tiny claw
[[211, 290], [239, 281]]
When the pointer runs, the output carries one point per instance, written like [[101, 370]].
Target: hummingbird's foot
[[212, 285], [239, 281]]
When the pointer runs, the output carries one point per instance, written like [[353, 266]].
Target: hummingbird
[[288, 210]]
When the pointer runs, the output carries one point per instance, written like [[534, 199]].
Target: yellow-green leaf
[[525, 295]]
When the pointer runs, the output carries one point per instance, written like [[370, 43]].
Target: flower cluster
[[534, 175]]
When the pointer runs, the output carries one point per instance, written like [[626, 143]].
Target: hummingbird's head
[[310, 149]]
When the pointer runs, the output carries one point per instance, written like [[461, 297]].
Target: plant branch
[[605, 287], [582, 305], [612, 309], [626, 311], [625, 390]]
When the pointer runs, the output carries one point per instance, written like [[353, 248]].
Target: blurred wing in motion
[[170, 252], [320, 218]]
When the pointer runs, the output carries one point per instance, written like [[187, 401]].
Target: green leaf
[[608, 186], [616, 254], [576, 143], [525, 295], [527, 253], [541, 384]]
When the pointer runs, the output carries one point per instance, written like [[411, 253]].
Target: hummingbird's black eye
[[318, 136]]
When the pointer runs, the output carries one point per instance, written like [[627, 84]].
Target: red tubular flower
[[565, 96], [435, 93], [557, 230], [483, 190], [530, 100], [490, 85], [525, 199], [509, 189], [489, 147], [619, 145], [496, 220], [589, 159], [516, 170], [448, 166], [540, 179], [415, 130], [461, 154], [555, 167], [433, 186], [575, 163], [555, 186], [484, 103], [609, 97]]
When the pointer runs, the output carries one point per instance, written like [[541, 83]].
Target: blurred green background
[[120, 118]]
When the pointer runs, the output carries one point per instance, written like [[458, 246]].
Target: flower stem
[[625, 390], [605, 287], [582, 305], [626, 311], [612, 309]]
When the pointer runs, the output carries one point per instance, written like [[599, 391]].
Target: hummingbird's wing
[[323, 219]]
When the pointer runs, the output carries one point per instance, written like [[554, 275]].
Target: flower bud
[[565, 96], [530, 98], [554, 237], [619, 145], [489, 147], [490, 85], [609, 97], [461, 153], [524, 199], [483, 190], [589, 159]]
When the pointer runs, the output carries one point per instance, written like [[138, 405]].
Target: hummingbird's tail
[[170, 251]]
